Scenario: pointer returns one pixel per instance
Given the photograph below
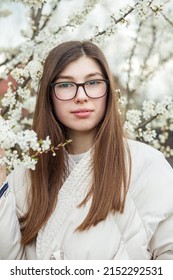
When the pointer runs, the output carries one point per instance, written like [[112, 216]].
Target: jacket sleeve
[[12, 204], [10, 236], [162, 242]]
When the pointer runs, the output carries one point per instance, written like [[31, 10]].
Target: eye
[[93, 82], [64, 85]]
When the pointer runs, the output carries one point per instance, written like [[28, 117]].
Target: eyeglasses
[[68, 90]]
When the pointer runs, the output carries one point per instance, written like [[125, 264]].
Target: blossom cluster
[[79, 17], [152, 124], [146, 8], [17, 146]]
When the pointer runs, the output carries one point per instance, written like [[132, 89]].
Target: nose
[[81, 95]]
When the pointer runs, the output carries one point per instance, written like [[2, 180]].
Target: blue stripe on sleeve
[[3, 189]]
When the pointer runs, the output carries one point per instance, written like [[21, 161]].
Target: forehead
[[82, 67]]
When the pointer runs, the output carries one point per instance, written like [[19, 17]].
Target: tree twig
[[142, 125]]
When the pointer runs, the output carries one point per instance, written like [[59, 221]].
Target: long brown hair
[[110, 174]]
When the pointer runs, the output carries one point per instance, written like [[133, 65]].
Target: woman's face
[[82, 113]]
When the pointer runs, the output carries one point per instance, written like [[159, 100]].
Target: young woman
[[101, 197]]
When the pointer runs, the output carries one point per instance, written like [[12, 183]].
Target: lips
[[82, 112]]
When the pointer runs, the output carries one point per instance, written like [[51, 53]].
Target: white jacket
[[144, 231]]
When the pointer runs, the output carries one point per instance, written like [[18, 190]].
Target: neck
[[81, 142]]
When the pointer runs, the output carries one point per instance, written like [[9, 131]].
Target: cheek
[[59, 114]]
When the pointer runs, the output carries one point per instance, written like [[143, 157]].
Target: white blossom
[[134, 117], [24, 93], [7, 136], [156, 144], [148, 107], [19, 74], [34, 69], [9, 97], [32, 3], [29, 162], [29, 103], [149, 135], [45, 145], [163, 137], [25, 140], [130, 130]]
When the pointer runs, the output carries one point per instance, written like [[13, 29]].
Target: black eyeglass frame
[[80, 85]]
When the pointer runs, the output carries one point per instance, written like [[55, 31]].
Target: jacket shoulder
[[150, 169], [141, 149], [151, 186]]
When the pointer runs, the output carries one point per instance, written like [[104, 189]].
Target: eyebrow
[[87, 76]]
